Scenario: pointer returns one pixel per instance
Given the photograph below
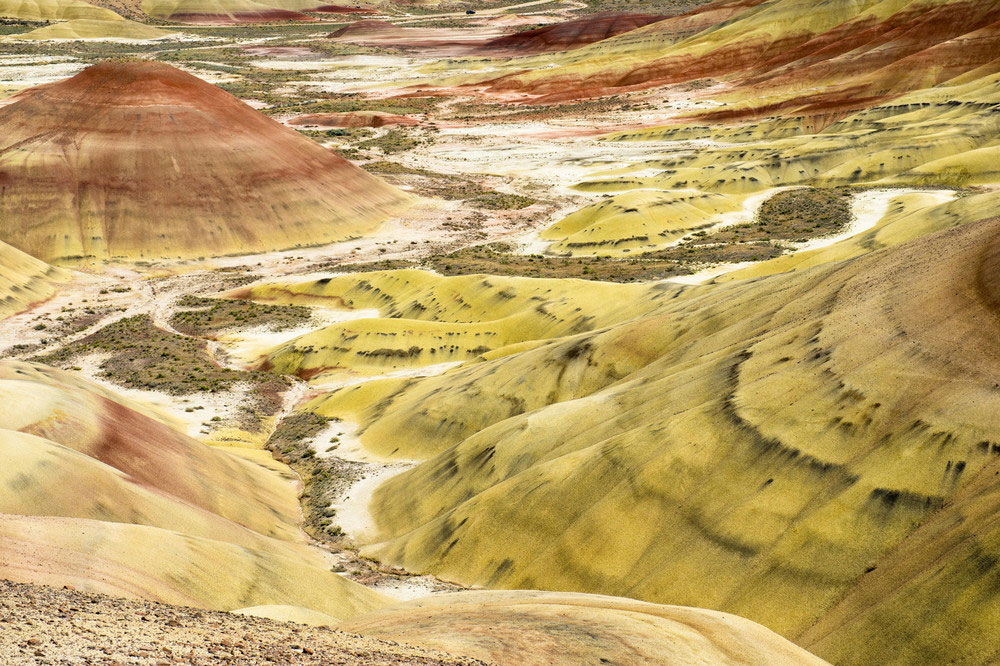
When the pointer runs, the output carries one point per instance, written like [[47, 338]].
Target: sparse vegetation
[[397, 140], [206, 317], [499, 259], [142, 356], [451, 187], [323, 477], [796, 215]]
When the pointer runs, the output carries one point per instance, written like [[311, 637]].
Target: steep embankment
[[140, 160]]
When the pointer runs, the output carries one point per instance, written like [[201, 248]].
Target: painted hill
[[364, 28], [161, 164], [431, 320], [219, 12], [110, 501], [940, 136], [812, 451], [528, 628]]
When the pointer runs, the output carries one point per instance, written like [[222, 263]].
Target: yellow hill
[[772, 440], [160, 565], [429, 319]]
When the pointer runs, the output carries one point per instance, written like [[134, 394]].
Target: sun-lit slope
[[427, 319], [777, 439], [141, 160], [24, 280], [641, 220], [527, 627], [161, 565], [219, 11], [439, 412], [48, 10], [95, 29], [50, 403]]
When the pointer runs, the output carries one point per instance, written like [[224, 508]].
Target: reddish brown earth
[[142, 160], [352, 119], [571, 34]]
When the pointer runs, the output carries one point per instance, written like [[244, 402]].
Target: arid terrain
[[563, 331]]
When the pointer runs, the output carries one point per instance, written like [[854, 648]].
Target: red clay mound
[[141, 160], [352, 119], [572, 34]]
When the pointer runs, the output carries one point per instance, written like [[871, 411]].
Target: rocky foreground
[[44, 625]]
